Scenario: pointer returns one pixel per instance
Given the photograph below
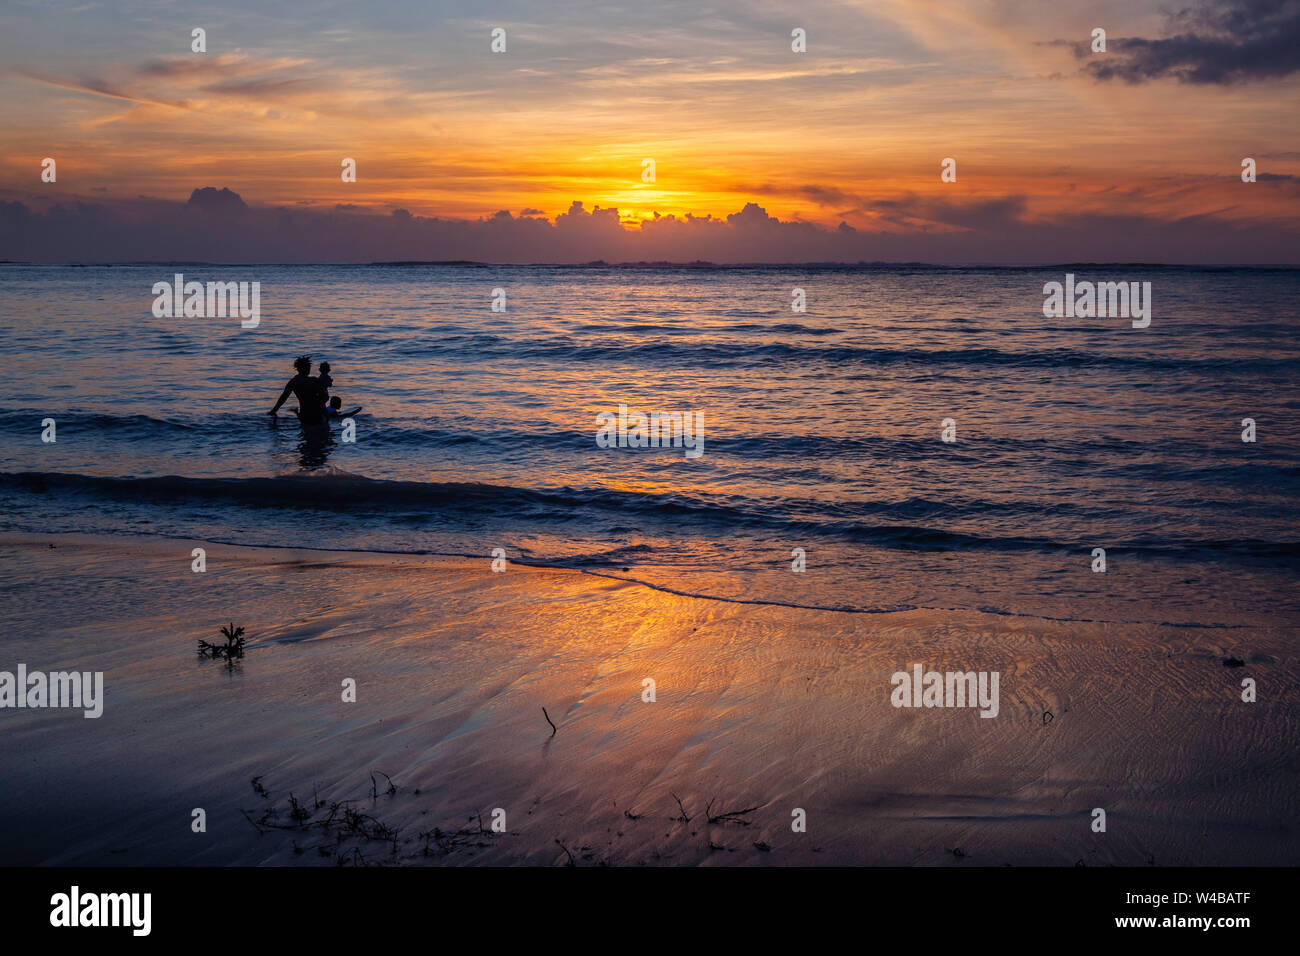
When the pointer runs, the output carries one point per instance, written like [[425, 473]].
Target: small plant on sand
[[230, 651]]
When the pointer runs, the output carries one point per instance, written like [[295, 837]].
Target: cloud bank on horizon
[[762, 153], [217, 226]]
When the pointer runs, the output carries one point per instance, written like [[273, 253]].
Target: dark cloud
[[979, 214], [828, 195], [209, 199], [215, 225], [261, 86], [910, 208], [99, 86], [86, 84], [173, 66], [1228, 42]]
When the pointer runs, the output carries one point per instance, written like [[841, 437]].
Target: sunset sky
[[852, 131]]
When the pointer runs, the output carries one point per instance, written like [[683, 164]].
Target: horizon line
[[701, 264]]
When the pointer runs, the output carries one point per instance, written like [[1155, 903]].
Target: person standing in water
[[308, 390]]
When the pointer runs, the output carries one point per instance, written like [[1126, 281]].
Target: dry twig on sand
[[374, 789], [684, 817], [731, 816]]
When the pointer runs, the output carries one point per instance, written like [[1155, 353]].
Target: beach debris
[[760, 845], [356, 858], [571, 862], [684, 817], [1048, 717], [549, 721], [348, 830], [297, 811], [374, 789], [1233, 662], [454, 840], [731, 816], [958, 852], [232, 649], [349, 824]]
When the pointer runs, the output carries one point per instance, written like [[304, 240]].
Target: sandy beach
[[759, 711]]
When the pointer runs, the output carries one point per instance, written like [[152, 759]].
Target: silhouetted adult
[[308, 391]]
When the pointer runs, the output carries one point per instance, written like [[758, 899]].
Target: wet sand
[[759, 708]]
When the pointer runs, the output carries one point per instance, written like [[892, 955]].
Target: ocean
[[822, 428]]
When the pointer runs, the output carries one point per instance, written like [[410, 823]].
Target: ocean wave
[[748, 455], [669, 353], [475, 504], [145, 425]]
